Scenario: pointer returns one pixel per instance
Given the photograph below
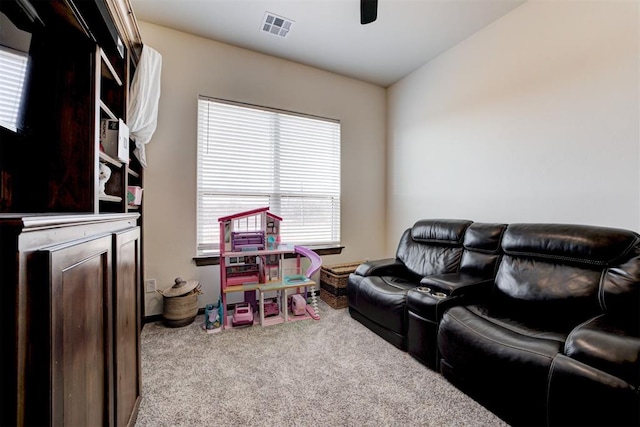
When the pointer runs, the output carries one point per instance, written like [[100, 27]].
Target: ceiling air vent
[[276, 25]]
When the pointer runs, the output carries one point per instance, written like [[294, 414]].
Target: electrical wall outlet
[[150, 285]]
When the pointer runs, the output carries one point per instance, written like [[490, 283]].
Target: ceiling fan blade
[[368, 11]]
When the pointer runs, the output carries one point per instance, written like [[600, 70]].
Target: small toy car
[[298, 305], [242, 315], [271, 308]]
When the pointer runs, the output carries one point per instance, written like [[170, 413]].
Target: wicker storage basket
[[180, 311], [333, 283], [180, 303], [332, 300], [336, 275]]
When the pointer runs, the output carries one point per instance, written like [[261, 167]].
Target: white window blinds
[[250, 157], [13, 66]]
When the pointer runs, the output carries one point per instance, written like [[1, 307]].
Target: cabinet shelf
[[112, 90], [107, 70], [273, 285], [108, 198], [112, 75], [241, 288], [283, 249], [107, 110], [108, 159]]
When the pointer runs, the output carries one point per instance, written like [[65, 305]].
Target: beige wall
[[195, 66], [534, 118]]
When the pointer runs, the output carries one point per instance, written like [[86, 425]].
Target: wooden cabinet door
[[126, 327], [79, 329]]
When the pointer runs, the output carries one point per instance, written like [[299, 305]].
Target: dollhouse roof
[[250, 213], [274, 216]]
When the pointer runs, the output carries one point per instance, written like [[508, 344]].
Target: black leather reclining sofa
[[538, 322]]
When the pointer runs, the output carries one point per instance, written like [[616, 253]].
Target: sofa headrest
[[443, 231], [484, 237], [578, 243]]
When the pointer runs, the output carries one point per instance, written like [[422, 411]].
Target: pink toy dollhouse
[[255, 229], [251, 259]]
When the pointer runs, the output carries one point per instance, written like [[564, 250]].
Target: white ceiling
[[327, 34]]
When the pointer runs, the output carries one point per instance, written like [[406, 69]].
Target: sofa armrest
[[458, 284], [439, 292], [579, 395], [609, 345], [382, 267]]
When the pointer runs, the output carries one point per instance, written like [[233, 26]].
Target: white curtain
[[144, 95]]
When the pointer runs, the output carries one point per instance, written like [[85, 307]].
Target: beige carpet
[[331, 372]]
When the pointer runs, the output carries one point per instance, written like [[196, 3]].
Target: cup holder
[[432, 292]]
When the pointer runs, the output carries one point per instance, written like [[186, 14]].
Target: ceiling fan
[[368, 11]]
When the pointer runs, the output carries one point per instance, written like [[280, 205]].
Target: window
[[13, 66], [250, 157]]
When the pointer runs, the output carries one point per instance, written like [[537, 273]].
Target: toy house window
[[250, 157]]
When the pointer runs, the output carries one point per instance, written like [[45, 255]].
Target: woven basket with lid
[[180, 303]]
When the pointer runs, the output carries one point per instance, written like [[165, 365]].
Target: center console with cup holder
[[427, 303]]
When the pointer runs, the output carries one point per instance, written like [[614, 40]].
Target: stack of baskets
[[333, 283]]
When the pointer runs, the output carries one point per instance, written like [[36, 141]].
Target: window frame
[[207, 253]]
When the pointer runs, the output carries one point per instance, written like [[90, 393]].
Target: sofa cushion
[[482, 249], [432, 246], [494, 327], [499, 361], [382, 300], [484, 237], [557, 270], [546, 292], [621, 289], [440, 231], [568, 243]]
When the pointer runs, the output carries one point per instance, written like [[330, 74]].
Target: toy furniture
[[316, 263], [283, 289], [242, 315], [298, 305], [271, 308], [213, 317], [539, 323], [251, 260]]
